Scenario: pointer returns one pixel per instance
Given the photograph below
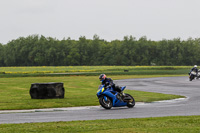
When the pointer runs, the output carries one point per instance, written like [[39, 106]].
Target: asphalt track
[[167, 85]]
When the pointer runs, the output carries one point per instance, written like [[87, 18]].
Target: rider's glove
[[109, 86], [107, 83]]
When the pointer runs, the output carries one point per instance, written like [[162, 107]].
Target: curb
[[47, 110], [81, 108]]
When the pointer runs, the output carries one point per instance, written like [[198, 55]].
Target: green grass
[[79, 91], [178, 124], [55, 69], [92, 70]]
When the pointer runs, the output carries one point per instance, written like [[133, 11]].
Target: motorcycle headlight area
[[102, 89]]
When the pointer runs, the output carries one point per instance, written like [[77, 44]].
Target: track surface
[[168, 85]]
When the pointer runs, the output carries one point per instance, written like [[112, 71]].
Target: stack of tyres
[[47, 90]]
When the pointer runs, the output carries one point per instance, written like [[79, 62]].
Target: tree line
[[36, 50]]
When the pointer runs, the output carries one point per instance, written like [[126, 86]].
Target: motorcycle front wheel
[[191, 78], [105, 102]]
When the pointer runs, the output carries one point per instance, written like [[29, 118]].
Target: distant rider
[[194, 69], [108, 82]]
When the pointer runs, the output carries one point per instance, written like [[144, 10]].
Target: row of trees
[[38, 50]]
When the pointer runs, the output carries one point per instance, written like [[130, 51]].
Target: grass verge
[[79, 91], [177, 124], [92, 70]]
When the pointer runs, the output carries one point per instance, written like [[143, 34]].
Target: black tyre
[[34, 93], [131, 102], [63, 93], [107, 104], [191, 77], [51, 93]]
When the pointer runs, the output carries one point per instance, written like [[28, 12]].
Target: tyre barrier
[[47, 90]]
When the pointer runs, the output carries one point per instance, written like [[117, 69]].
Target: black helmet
[[102, 77]]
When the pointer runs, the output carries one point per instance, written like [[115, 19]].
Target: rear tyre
[[105, 103], [131, 102]]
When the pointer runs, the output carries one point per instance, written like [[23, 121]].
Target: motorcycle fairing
[[112, 94]]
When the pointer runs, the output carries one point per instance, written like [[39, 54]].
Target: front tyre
[[105, 102], [131, 102], [191, 77]]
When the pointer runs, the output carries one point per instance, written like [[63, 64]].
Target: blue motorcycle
[[109, 98]]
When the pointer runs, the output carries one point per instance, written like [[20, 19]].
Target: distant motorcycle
[[193, 74], [109, 98]]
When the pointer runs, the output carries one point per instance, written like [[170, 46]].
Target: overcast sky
[[109, 19]]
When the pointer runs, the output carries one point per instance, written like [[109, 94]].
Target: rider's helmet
[[102, 77], [195, 65]]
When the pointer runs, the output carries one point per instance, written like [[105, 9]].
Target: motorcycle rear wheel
[[130, 104], [107, 104]]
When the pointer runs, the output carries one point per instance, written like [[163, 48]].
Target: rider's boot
[[121, 95]]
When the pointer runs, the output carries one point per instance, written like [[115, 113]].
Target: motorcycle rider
[[108, 82], [195, 70]]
